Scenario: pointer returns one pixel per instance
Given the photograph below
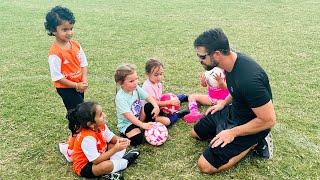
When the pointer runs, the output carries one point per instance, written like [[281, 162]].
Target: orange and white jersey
[[66, 63], [88, 145]]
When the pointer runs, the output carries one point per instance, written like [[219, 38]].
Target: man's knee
[[205, 167]]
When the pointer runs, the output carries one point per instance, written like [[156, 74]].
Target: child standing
[[153, 86], [217, 90], [130, 113], [67, 61], [96, 150]]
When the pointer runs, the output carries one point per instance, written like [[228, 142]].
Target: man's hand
[[215, 108], [223, 138]]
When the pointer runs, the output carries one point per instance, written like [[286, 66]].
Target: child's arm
[[156, 109], [134, 120], [221, 81], [202, 79], [174, 102], [116, 138], [84, 79], [110, 137], [119, 145], [77, 86]]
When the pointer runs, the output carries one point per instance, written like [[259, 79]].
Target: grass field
[[282, 35]]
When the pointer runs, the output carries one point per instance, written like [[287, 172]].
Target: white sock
[[119, 164], [118, 155]]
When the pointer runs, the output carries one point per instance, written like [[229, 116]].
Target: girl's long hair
[[81, 115]]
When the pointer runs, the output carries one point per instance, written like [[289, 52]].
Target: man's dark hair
[[213, 40]]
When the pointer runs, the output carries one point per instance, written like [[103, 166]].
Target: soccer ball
[[157, 135], [211, 81], [169, 109]]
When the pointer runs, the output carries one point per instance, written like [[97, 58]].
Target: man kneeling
[[242, 121]]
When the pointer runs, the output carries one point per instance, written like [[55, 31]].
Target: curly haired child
[[67, 60]]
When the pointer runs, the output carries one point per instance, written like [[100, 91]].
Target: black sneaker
[[131, 156], [264, 149], [113, 176], [182, 113]]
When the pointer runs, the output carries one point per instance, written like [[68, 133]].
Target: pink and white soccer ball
[[211, 81], [169, 109], [157, 135]]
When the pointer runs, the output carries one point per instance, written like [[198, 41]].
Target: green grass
[[282, 35]]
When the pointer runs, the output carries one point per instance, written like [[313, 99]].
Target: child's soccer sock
[[173, 118], [193, 107], [118, 155], [119, 164]]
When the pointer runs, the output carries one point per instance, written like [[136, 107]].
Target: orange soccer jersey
[[78, 156], [70, 62]]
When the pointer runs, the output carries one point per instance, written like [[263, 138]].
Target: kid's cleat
[[131, 156]]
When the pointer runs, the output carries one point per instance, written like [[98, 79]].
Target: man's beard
[[211, 66]]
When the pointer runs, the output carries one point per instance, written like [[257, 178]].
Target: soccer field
[[283, 36]]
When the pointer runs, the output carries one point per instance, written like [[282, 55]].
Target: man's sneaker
[[264, 148], [131, 156], [63, 147], [192, 117], [113, 176]]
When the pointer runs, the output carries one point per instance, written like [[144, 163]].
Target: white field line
[[299, 139], [47, 78]]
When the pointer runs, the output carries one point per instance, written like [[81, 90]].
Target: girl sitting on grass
[[96, 150], [132, 115], [153, 86]]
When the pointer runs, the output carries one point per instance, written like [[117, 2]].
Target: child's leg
[[118, 155], [182, 98], [70, 97], [164, 120], [109, 166], [146, 112], [203, 100], [194, 114], [135, 135]]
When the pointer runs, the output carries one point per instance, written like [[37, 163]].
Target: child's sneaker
[[113, 176], [192, 117], [63, 147], [131, 156], [264, 149], [182, 113], [183, 98]]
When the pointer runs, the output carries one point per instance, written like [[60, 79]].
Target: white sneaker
[[63, 147]]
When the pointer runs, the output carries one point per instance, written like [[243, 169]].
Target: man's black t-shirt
[[249, 87]]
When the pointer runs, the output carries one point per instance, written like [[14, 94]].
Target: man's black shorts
[[209, 126]]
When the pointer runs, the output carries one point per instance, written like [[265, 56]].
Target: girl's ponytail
[[74, 123]]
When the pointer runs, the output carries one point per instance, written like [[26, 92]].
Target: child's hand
[[220, 80], [121, 144], [81, 87], [155, 112], [174, 102], [146, 126], [202, 79]]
